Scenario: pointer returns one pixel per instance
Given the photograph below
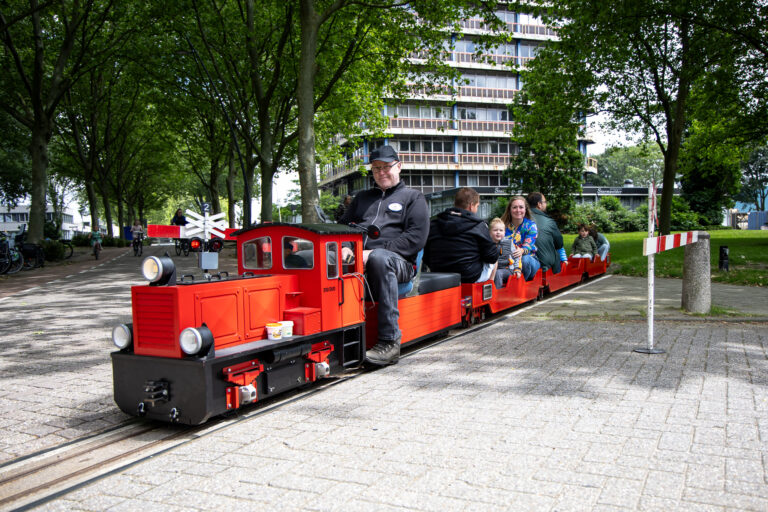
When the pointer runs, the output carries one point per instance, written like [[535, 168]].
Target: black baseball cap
[[384, 154]]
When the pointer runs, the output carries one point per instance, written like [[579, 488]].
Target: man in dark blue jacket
[[403, 218], [459, 241]]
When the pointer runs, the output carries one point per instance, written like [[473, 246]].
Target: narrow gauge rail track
[[44, 476]]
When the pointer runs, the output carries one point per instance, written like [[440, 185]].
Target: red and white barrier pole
[[651, 271]]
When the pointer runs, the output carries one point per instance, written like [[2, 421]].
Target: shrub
[[54, 251], [81, 240], [108, 241], [611, 203], [590, 213], [626, 220]]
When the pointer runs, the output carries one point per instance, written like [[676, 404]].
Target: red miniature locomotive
[[200, 348]]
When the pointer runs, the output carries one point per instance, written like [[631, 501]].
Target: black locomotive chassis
[[196, 388]]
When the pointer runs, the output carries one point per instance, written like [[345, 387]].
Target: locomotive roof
[[321, 229]]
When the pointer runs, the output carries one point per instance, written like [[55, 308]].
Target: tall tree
[[368, 43], [546, 131], [642, 164], [754, 183], [645, 56], [48, 47]]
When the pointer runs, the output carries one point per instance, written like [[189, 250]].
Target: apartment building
[[461, 137]]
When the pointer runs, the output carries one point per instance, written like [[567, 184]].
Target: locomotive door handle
[[341, 285]]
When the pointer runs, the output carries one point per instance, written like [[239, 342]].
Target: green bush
[[81, 240], [627, 221], [121, 242], [54, 251], [590, 213], [50, 231], [611, 203]]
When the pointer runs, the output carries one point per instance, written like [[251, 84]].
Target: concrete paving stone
[[664, 484], [136, 504], [704, 450], [34, 429], [61, 505], [569, 477], [100, 502], [728, 500], [705, 476], [711, 436], [657, 504], [745, 470], [676, 441], [375, 505], [574, 498], [615, 471], [742, 435], [621, 492]]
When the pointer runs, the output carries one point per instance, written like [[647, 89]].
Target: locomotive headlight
[[196, 340], [158, 271], [122, 336]]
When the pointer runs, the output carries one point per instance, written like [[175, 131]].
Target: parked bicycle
[[181, 246], [34, 255], [11, 259]]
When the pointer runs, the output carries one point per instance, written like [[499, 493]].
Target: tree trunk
[[231, 188], [38, 150], [305, 96]]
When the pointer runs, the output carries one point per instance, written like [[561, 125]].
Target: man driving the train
[[402, 216]]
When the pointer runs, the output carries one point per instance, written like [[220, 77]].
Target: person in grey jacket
[[549, 242], [403, 219]]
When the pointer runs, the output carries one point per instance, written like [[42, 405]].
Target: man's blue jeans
[[383, 271]]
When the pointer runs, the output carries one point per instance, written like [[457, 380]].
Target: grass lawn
[[748, 255]]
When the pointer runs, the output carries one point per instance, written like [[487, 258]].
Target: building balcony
[[591, 166], [465, 92], [407, 125], [445, 161], [479, 25]]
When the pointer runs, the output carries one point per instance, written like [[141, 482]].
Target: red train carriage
[[199, 348]]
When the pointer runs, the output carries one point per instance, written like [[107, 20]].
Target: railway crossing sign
[[206, 224]]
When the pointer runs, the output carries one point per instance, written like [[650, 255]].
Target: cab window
[[298, 253], [349, 267], [257, 253], [332, 260]]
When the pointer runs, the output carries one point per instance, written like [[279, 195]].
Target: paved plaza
[[547, 408]]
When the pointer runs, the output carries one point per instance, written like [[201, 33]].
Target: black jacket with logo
[[459, 242], [400, 213]]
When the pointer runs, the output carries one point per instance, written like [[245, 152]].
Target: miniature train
[[200, 348]]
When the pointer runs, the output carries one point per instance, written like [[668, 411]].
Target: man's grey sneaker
[[384, 352]]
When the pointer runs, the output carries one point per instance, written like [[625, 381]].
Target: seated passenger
[[459, 241], [602, 243], [584, 246], [507, 265], [521, 229]]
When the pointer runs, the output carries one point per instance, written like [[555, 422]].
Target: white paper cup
[[287, 328], [274, 331]]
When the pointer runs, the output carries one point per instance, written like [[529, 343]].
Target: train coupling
[[322, 370], [248, 394], [156, 391]]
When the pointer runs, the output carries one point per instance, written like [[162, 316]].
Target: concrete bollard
[[697, 292]]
